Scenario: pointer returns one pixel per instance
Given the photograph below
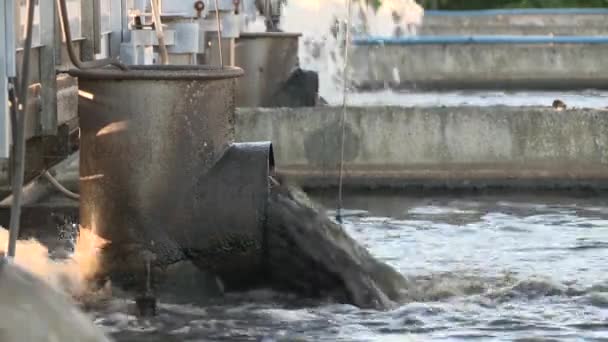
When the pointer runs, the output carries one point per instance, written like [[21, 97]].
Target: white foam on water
[[435, 210], [70, 275], [282, 315]]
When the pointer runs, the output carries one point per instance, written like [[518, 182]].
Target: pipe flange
[[199, 7]]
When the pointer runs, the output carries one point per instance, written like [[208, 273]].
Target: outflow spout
[[160, 172]]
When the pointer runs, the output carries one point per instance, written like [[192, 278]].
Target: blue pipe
[[479, 39], [518, 11]]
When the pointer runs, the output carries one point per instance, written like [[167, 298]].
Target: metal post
[[97, 26], [48, 80], [7, 69], [10, 15], [88, 30], [116, 17]]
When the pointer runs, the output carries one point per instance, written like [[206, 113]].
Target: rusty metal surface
[[159, 72], [159, 169], [268, 60], [231, 200]]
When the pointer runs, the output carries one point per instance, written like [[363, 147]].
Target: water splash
[[70, 275]]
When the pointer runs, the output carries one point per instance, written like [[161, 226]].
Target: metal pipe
[[9, 27], [219, 33], [19, 138], [65, 22], [158, 27], [14, 104]]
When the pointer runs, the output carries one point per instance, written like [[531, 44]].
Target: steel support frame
[[7, 69]]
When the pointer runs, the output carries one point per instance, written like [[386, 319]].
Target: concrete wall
[[481, 66], [526, 22], [457, 146]]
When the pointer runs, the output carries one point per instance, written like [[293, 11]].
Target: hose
[[19, 138], [65, 22], [47, 175], [344, 110]]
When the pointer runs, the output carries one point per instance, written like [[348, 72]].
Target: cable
[[344, 110], [219, 33], [65, 22], [19, 138], [47, 175]]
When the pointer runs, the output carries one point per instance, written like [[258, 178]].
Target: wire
[[344, 110]]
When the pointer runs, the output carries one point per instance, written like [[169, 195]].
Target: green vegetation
[[487, 4]]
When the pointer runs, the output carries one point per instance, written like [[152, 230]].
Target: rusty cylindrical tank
[[160, 170]]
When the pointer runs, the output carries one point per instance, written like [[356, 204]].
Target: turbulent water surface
[[480, 268], [574, 99]]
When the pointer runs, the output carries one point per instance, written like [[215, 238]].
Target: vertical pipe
[[9, 29], [7, 70], [344, 109], [19, 139], [47, 122], [219, 33], [96, 34], [158, 26], [116, 17], [87, 25]]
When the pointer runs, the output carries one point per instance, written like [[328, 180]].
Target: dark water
[[480, 268]]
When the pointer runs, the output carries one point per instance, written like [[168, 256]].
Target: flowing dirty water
[[479, 268]]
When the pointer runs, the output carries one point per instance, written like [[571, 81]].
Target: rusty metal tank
[[268, 59], [160, 169]]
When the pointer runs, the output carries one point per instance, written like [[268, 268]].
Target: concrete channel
[[549, 21], [463, 147], [480, 62], [449, 146]]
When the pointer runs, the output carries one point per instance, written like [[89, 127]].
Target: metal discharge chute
[[160, 171]]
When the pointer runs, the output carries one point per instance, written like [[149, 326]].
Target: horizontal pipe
[[479, 39], [518, 11]]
